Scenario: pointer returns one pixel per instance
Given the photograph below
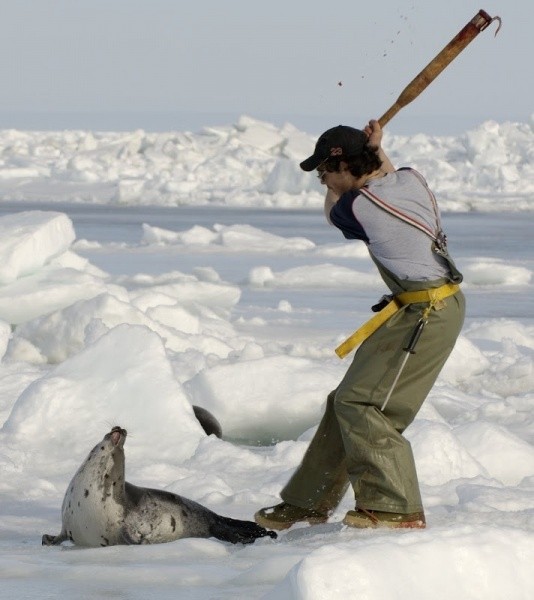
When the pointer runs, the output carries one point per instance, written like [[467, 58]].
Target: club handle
[[421, 81]]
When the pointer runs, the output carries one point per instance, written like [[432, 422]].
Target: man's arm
[[329, 201], [374, 131]]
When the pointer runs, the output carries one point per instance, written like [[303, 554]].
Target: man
[[359, 440]]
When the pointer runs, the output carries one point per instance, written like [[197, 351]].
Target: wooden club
[[477, 24]]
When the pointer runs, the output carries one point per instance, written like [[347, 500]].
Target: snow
[[253, 163], [30, 240], [117, 313]]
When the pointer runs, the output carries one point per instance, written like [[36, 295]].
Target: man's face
[[339, 181]]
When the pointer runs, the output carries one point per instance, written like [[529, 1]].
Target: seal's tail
[[238, 532]]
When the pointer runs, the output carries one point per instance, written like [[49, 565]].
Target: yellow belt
[[432, 296]]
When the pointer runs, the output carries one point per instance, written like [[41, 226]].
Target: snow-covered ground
[[117, 309]]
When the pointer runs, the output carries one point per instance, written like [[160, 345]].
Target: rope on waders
[[410, 348]]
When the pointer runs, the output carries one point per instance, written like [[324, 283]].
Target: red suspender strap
[[404, 217]]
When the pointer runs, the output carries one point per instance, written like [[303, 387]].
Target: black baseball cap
[[339, 143]]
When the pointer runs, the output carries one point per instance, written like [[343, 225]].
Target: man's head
[[343, 144], [335, 144]]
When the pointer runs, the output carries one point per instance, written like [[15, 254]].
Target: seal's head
[[117, 436], [107, 455]]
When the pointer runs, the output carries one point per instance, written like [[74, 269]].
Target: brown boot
[[283, 516], [362, 519]]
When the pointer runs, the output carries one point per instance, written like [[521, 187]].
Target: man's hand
[[374, 133]]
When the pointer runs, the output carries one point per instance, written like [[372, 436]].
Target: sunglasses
[[327, 167]]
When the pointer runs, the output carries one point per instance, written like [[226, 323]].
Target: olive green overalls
[[356, 441]]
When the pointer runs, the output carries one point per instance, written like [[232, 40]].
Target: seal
[[208, 422], [101, 508]]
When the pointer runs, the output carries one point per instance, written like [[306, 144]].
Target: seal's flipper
[[53, 540], [238, 532]]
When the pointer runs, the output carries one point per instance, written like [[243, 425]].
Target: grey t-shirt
[[398, 246]]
